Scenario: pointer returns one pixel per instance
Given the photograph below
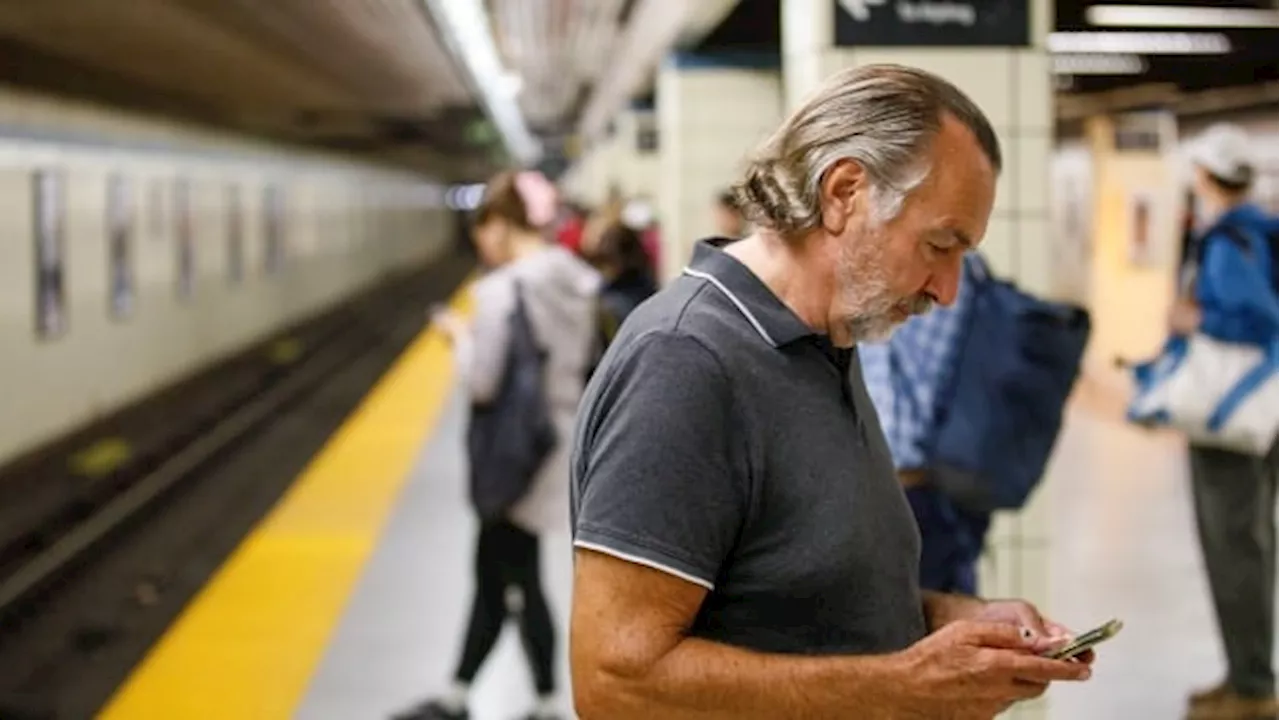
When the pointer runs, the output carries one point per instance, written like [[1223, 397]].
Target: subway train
[[138, 252]]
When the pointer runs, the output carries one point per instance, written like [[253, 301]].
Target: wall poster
[[1142, 242], [49, 225], [274, 230], [646, 134], [235, 236], [120, 218], [186, 251]]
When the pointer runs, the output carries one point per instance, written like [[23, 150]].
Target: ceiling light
[[1180, 16], [1143, 43], [464, 27], [510, 83], [1086, 64]]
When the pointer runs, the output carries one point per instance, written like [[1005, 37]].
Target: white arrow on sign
[[860, 10]]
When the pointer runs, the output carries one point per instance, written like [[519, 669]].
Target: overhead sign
[[865, 23]]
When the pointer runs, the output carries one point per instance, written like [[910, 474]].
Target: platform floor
[[1124, 547], [1132, 556]]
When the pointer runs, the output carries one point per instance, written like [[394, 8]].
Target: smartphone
[[1086, 641]]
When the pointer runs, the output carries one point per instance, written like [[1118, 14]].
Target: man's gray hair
[[881, 116]]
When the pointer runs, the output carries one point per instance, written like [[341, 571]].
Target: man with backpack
[[905, 376], [1228, 293], [970, 417]]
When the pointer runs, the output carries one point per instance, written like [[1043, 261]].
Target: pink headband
[[539, 196]]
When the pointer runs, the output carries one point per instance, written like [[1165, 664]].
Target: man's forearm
[[703, 680], [943, 608]]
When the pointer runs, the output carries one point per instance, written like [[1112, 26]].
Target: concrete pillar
[[1009, 77], [1135, 251], [712, 111]]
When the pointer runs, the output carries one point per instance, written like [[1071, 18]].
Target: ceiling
[[558, 49], [363, 75], [1252, 58], [374, 76]]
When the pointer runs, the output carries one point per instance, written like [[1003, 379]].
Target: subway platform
[[348, 600]]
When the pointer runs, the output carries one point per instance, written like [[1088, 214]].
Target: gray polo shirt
[[722, 441]]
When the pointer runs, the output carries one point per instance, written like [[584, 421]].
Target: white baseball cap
[[637, 215], [1224, 151]]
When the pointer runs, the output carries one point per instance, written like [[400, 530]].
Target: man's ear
[[837, 194]]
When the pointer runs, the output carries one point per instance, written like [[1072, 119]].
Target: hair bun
[[539, 197]]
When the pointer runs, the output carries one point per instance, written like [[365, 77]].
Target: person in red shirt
[[569, 235]]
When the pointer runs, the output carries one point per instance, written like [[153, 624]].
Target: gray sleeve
[[658, 484], [485, 361]]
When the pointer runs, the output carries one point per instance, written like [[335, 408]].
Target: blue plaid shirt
[[905, 374]]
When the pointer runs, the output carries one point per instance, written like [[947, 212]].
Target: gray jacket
[[560, 293]]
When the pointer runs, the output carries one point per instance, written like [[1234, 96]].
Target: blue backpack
[[511, 437], [1000, 414]]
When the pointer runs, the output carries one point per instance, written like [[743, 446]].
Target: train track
[[78, 610]]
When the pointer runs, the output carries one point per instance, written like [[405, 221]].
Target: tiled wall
[[615, 160], [709, 120]]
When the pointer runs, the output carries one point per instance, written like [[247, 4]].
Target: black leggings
[[507, 557]]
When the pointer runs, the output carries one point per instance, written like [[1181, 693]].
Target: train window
[[155, 216], [120, 218], [186, 251], [274, 229], [49, 222], [235, 236]]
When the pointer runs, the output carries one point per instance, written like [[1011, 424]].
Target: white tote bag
[[1220, 394]]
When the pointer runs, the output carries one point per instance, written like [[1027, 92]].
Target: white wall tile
[[1034, 256], [807, 25], [1034, 100], [1042, 19], [997, 246], [1031, 154]]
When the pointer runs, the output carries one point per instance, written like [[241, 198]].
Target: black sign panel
[[868, 23]]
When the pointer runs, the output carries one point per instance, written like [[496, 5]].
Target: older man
[[744, 549]]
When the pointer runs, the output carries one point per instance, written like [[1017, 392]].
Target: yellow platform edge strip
[[246, 647]]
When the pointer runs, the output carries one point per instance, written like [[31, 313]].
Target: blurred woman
[[618, 252], [558, 292]]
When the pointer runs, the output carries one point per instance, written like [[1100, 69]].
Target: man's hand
[[911, 478], [942, 609], [1046, 634], [971, 670], [1184, 316]]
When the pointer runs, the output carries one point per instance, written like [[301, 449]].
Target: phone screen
[[1086, 641]]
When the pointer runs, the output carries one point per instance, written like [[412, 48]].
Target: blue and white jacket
[[1232, 288]]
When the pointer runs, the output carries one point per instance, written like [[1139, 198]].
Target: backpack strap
[[1240, 237]]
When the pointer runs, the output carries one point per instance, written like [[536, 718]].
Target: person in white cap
[[1229, 293]]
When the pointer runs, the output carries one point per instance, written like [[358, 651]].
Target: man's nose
[[944, 283]]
